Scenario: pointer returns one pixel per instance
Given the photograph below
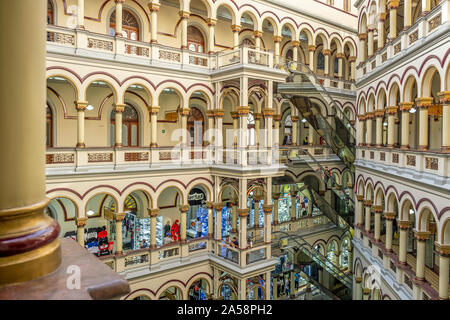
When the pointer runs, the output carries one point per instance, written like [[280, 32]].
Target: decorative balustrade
[[135, 48], [407, 38], [60, 36], [431, 162]]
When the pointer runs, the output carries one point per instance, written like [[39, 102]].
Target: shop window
[[130, 28], [130, 127], [198, 290], [320, 61], [50, 13], [197, 215], [49, 128]]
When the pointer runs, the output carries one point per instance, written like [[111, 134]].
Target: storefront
[[198, 290], [197, 213]]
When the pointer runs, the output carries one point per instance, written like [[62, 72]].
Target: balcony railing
[[423, 27], [430, 162]]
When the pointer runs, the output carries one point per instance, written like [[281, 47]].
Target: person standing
[[198, 227]]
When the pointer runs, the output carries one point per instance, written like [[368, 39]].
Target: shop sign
[[196, 197]]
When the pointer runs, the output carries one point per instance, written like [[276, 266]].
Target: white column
[[209, 206], [80, 14], [119, 4], [327, 54], [183, 213], [218, 220], [154, 126], [444, 257], [184, 15], [407, 14], [153, 214], [80, 106], [118, 110], [154, 8], [236, 29], [445, 100], [423, 104], [311, 50], [211, 26], [392, 6]]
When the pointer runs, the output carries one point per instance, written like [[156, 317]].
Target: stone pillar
[[426, 6], [268, 114], [235, 117], [209, 206], [311, 135], [276, 42], [391, 112], [183, 212], [389, 216], [80, 106], [257, 34], [243, 113], [360, 131], [350, 259], [153, 215], [276, 198], [80, 14], [184, 15], [211, 25], [370, 41], [378, 210], [381, 39], [423, 104], [444, 257], [421, 238], [358, 288], [369, 130], [445, 100], [236, 29], [392, 7], [29, 243], [352, 61], [218, 114], [275, 288], [242, 289], [327, 54], [340, 56], [311, 50], [218, 206], [267, 283], [243, 214], [293, 204], [294, 130], [277, 120], [405, 107], [267, 223], [81, 223], [407, 14], [210, 136], [366, 293], [360, 210], [234, 216], [118, 30], [154, 8], [154, 125], [257, 117], [256, 200], [118, 110], [368, 205], [403, 226], [379, 128], [362, 47], [295, 45], [184, 113], [118, 218]]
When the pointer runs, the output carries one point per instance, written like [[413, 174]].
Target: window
[[251, 140], [195, 39], [130, 25], [195, 126], [320, 61], [49, 128], [130, 127], [50, 16]]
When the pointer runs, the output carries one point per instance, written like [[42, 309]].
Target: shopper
[[167, 229]]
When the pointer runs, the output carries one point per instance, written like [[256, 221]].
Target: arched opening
[[196, 43], [64, 211], [197, 214], [171, 293], [49, 127], [228, 292], [50, 13], [169, 204], [130, 126], [170, 102], [255, 288], [100, 233], [130, 25], [198, 290], [142, 297]]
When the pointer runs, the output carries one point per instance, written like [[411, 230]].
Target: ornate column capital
[[119, 216], [218, 205], [257, 34], [294, 118], [268, 112], [358, 279], [234, 114], [389, 215], [218, 113], [378, 209], [312, 48], [424, 102], [340, 55], [81, 222], [80, 105], [406, 106], [368, 203], [370, 115], [360, 198], [119, 1], [277, 38], [257, 116], [391, 110], [153, 212], [267, 208], [242, 212], [421, 235], [351, 59], [277, 117], [295, 43], [326, 52], [403, 224], [210, 113], [154, 109], [243, 110], [276, 196], [184, 111], [444, 97], [382, 16], [119, 107], [184, 14], [442, 249], [379, 113], [236, 28], [209, 204], [362, 118], [211, 22], [184, 208], [393, 4], [363, 36], [154, 6]]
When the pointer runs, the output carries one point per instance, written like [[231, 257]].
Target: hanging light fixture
[[412, 110], [90, 107]]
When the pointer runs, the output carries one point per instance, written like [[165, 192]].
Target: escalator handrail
[[320, 286], [337, 108], [305, 152], [306, 244]]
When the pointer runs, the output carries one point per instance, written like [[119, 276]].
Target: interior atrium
[[225, 149]]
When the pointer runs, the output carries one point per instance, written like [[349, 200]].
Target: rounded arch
[[205, 186], [273, 21], [206, 93], [251, 12], [231, 9], [167, 286], [168, 185], [206, 3], [394, 93], [309, 32], [369, 191], [106, 79], [292, 29], [410, 88], [362, 106], [426, 83], [320, 35], [70, 78]]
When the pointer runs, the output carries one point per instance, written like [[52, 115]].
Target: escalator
[[301, 86], [297, 241], [324, 290]]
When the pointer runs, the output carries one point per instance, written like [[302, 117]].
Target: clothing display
[[96, 241]]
